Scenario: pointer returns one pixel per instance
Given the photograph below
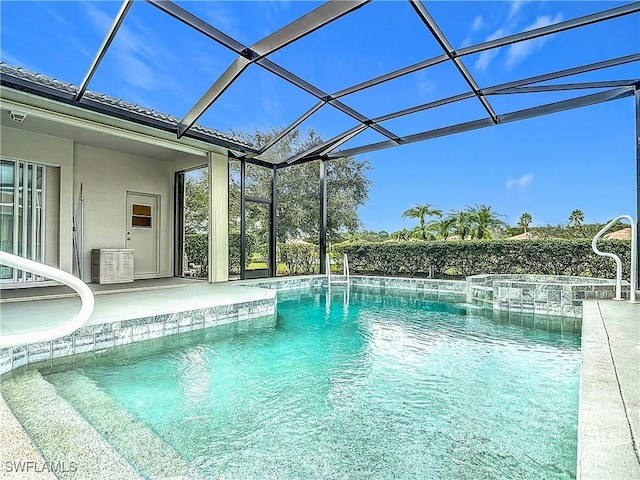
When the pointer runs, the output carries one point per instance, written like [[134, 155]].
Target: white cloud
[[221, 17], [136, 51], [516, 5], [138, 73], [520, 184], [425, 88], [271, 13], [485, 58], [520, 51], [100, 19], [62, 20], [424, 84], [478, 24]]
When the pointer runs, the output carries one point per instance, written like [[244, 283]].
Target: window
[[141, 216]]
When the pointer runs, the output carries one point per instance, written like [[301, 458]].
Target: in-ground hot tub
[[539, 294]]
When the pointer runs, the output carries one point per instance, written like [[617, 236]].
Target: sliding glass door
[[22, 223]]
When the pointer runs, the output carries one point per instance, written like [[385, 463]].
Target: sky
[[547, 166]]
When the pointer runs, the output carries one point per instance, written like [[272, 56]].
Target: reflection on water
[[351, 384]]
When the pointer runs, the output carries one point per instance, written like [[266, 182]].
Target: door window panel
[[22, 207]]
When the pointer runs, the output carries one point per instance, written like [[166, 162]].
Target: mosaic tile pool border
[[554, 295], [539, 294], [94, 338], [447, 289]]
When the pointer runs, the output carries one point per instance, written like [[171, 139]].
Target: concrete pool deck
[[56, 305], [609, 409]]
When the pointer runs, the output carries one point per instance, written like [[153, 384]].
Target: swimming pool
[[346, 384]]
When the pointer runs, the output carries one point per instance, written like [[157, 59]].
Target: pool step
[[70, 446], [16, 449], [144, 449]]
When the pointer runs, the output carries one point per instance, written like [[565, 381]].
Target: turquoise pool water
[[383, 387]]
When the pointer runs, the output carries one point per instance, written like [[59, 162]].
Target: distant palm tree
[[485, 221], [421, 212], [576, 218], [525, 221], [443, 228], [461, 223], [401, 235]]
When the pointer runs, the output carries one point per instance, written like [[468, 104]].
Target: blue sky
[[547, 166]]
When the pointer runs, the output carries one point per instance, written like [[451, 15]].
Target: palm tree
[[485, 222], [576, 218], [461, 223], [525, 221], [443, 228], [416, 233], [421, 212], [401, 235]]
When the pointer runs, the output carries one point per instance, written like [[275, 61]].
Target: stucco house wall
[[106, 177], [110, 148], [54, 152]]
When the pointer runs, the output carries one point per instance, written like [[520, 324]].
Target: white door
[[143, 231]]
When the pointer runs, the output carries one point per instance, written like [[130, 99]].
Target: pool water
[[355, 385]]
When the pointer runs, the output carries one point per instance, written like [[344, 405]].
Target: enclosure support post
[[323, 217], [273, 262], [242, 218], [637, 97], [218, 254], [178, 235]]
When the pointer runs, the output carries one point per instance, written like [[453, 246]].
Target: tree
[[462, 225], [196, 207], [298, 202], [525, 221], [443, 228], [421, 212], [485, 222], [576, 218], [401, 235]]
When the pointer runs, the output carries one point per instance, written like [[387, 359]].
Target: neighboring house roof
[[44, 86], [623, 234], [522, 236]]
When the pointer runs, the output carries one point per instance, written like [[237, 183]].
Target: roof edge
[[20, 79]]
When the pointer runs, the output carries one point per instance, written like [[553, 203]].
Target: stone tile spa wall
[[539, 294]]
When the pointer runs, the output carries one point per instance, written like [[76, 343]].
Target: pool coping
[[609, 400], [170, 312]]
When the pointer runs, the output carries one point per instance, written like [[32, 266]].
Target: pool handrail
[[345, 267], [48, 334], [345, 270], [634, 257]]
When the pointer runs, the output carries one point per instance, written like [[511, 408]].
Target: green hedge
[[463, 258], [234, 252], [300, 258], [196, 247]]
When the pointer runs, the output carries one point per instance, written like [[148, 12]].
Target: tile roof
[[42, 84]]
